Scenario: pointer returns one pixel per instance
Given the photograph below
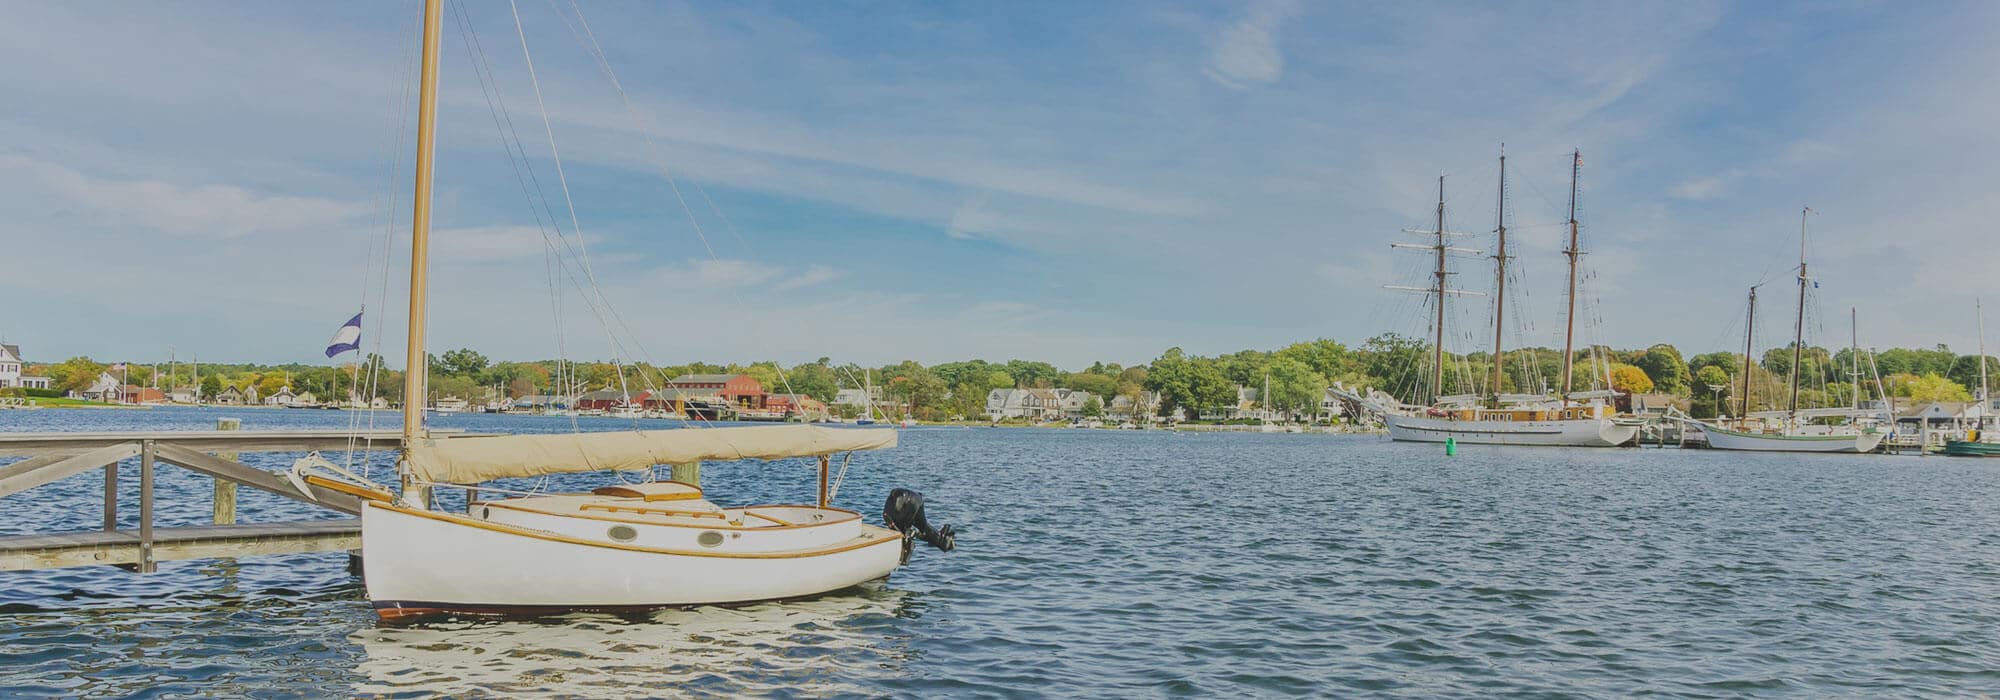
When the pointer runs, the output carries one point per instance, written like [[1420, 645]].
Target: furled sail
[[471, 460]]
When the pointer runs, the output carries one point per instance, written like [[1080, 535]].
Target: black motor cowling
[[905, 512]]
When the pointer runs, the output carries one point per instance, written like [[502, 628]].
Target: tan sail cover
[[471, 460]]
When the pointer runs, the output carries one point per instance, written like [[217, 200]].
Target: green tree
[[1094, 408], [74, 374], [1295, 386], [463, 362], [1926, 388], [1095, 383], [1032, 374], [211, 386], [1329, 358], [1706, 393], [1965, 370], [1662, 363]]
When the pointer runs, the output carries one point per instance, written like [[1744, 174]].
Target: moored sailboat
[[625, 546], [1978, 441], [1793, 433], [1572, 418]]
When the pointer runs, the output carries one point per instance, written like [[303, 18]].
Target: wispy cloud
[[196, 210], [1246, 52]]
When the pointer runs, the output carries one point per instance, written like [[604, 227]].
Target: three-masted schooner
[[1571, 418], [1794, 432], [624, 546]]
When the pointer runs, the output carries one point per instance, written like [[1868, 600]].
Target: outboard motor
[[905, 512]]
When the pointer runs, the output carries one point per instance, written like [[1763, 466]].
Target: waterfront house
[[857, 397], [283, 397], [1035, 404], [251, 397], [229, 397], [104, 389], [140, 394], [183, 395], [602, 400], [305, 398], [799, 405], [12, 373]]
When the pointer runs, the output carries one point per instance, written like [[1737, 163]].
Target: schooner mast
[[1569, 322], [1438, 289], [1500, 276], [1749, 331], [1799, 329]]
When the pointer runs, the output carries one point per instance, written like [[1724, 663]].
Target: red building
[[740, 389], [141, 394]]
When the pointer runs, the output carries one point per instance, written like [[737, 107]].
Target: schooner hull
[[1724, 439], [1590, 432], [419, 563]]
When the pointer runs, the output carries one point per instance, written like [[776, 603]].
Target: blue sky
[[1064, 181]]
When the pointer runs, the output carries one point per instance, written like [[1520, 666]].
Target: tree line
[[1297, 375]]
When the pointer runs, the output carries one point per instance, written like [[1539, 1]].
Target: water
[[1097, 563]]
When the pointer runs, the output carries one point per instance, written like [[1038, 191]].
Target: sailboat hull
[[1590, 432], [419, 563], [1724, 439]]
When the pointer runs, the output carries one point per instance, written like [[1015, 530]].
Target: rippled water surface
[[1130, 563]]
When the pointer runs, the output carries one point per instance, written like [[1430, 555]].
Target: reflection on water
[[837, 644]]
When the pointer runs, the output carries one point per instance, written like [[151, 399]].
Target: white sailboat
[[1793, 433], [1571, 419], [645, 545]]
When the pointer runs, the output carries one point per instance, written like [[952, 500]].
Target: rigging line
[[524, 174], [576, 227], [596, 50]]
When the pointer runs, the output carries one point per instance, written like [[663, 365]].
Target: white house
[[1036, 404], [106, 388], [10, 371], [283, 397]]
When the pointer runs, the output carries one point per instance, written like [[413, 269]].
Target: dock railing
[[51, 457]]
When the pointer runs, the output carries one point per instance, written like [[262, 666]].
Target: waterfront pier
[[50, 457]]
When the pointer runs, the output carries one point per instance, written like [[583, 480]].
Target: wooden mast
[[1437, 348], [1500, 277], [1985, 399], [1854, 355], [1799, 330], [415, 362], [1569, 324], [1749, 331]]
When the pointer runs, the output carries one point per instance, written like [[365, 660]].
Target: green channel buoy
[[1451, 447]]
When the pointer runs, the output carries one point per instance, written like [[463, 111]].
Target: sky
[[1071, 182]]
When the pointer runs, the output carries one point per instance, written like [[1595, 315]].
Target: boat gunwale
[[860, 542], [726, 524]]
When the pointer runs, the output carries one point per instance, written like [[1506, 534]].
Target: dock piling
[[145, 506], [225, 490]]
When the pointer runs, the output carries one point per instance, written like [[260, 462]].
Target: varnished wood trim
[[780, 521], [867, 540], [669, 512], [350, 489], [848, 515]]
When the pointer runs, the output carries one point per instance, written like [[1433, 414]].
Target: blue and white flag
[[347, 338]]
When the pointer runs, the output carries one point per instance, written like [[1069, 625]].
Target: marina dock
[[51, 457]]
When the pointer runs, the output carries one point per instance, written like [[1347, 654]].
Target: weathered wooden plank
[[66, 467], [146, 507], [255, 478], [30, 464], [176, 544]]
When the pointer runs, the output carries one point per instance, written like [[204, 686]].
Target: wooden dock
[[51, 457]]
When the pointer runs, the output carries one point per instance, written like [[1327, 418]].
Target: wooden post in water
[[825, 463], [111, 497], [145, 507], [689, 473], [225, 490]]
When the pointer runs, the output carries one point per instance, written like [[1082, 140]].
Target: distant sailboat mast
[[1749, 332], [1799, 329], [1500, 277], [1437, 346], [1569, 324]]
